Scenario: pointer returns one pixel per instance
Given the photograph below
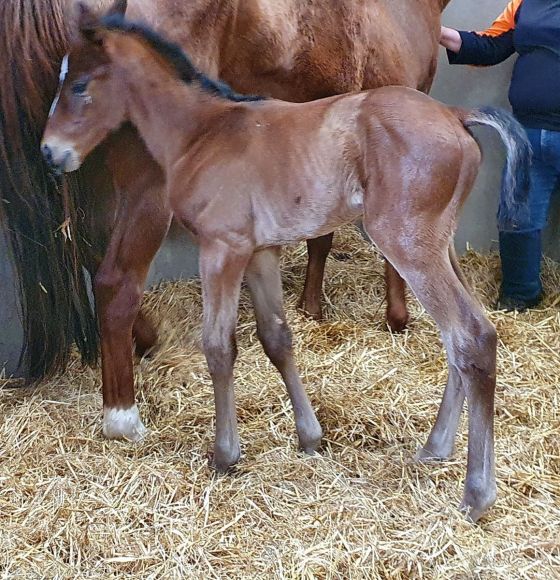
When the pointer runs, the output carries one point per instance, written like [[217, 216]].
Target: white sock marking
[[123, 424]]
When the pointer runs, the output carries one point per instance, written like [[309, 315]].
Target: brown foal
[[247, 176]]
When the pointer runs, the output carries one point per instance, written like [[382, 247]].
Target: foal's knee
[[220, 353], [276, 338]]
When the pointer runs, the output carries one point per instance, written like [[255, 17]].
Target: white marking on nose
[[61, 77], [123, 424]]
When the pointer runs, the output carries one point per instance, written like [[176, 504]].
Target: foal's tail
[[513, 209]]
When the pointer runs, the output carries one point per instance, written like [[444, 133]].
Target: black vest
[[535, 85]]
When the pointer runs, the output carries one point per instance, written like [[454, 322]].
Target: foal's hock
[[247, 176]]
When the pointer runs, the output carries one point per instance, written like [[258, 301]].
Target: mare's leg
[[397, 313], [263, 278], [144, 335], [141, 226], [131, 169], [221, 272], [470, 341], [318, 250]]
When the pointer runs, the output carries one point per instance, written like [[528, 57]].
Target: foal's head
[[88, 104], [93, 93]]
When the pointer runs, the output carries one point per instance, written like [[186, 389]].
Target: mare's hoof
[[312, 309], [145, 337], [123, 424], [397, 321], [145, 348], [142, 352]]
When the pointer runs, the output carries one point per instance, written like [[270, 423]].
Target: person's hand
[[450, 39]]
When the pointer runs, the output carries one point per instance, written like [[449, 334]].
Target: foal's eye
[[79, 87]]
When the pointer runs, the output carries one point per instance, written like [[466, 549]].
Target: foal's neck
[[168, 113]]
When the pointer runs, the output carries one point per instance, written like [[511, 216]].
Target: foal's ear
[[88, 22], [118, 8]]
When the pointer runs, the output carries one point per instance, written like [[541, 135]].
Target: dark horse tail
[[36, 212], [513, 210]]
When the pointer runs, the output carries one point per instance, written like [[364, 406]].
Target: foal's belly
[[306, 216]]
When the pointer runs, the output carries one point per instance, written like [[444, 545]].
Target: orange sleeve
[[505, 21]]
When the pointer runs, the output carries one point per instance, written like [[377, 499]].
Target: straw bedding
[[73, 505]]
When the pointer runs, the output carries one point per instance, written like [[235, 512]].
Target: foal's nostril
[[47, 154]]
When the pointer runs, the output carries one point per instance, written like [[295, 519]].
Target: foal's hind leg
[[470, 341], [442, 437], [441, 440], [263, 278], [318, 250]]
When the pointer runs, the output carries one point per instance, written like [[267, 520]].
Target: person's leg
[[521, 250]]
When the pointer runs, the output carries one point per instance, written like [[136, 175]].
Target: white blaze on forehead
[[61, 77]]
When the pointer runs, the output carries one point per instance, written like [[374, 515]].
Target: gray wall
[[11, 333], [460, 85]]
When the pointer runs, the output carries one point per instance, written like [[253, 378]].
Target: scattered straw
[[73, 505]]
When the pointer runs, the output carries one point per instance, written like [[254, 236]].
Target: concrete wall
[[460, 85], [11, 333]]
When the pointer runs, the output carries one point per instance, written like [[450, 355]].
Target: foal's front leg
[[140, 229], [221, 271]]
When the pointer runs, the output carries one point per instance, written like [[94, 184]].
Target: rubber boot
[[520, 255]]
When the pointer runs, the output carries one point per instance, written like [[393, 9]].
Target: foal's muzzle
[[60, 159]]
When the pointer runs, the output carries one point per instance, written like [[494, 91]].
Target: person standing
[[530, 28]]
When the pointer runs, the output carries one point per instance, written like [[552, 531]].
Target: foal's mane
[[176, 57]]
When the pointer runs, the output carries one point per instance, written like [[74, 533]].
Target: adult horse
[[296, 50]]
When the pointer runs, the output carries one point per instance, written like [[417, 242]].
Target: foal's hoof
[[123, 424], [310, 438], [424, 455], [477, 501], [224, 457]]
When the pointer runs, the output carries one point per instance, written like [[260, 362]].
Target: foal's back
[[295, 171]]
